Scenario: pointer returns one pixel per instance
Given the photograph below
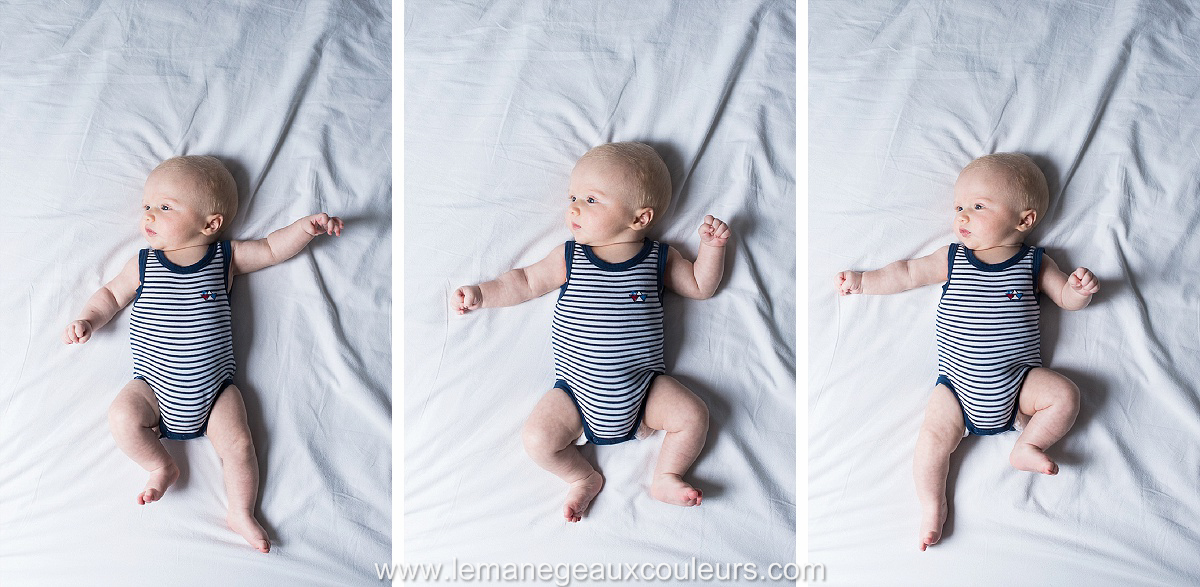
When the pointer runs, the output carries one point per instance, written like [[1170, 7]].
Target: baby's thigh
[[227, 421], [1044, 388], [671, 406], [555, 418], [135, 405], [943, 415]]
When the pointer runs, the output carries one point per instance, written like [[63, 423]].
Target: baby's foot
[[580, 495], [672, 489], [1028, 457], [932, 520], [160, 479], [249, 528]]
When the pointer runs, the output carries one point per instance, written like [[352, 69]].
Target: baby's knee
[[691, 414], [943, 431], [539, 439], [696, 414], [236, 445], [124, 416], [1067, 395]]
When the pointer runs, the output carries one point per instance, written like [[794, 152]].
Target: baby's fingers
[[1085, 281], [76, 333], [334, 228]]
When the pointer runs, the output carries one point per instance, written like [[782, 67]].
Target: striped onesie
[[607, 337], [181, 334], [987, 334]]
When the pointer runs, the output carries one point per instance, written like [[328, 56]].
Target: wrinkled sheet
[[1105, 97], [296, 99], [501, 98]]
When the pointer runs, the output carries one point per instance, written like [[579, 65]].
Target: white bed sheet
[[296, 99], [1105, 97], [501, 98]]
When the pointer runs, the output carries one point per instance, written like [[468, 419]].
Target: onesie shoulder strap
[[568, 254], [226, 249], [663, 250], [1037, 269], [950, 255], [142, 264]]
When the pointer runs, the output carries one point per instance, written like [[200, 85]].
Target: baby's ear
[[1028, 219], [214, 224], [643, 218]]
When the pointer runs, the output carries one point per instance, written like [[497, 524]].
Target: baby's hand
[[1084, 282], [78, 331], [713, 232], [467, 298], [849, 282], [323, 223]]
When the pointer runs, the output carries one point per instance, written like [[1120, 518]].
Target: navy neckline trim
[[633, 261], [1016, 258], [194, 267]]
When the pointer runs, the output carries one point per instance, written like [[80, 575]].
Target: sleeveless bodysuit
[[181, 334], [987, 334], [607, 337]]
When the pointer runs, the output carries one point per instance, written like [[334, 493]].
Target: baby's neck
[[618, 252], [186, 255], [997, 253]]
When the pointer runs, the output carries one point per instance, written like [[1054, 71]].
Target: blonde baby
[[181, 329], [607, 335], [989, 346]]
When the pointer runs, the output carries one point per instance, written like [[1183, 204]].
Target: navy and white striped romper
[[607, 337], [987, 334], [181, 334]]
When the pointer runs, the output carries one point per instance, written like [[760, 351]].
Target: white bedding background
[[1105, 96], [501, 98], [296, 99]]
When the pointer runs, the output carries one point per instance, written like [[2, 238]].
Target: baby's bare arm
[[283, 244], [896, 277], [1070, 292], [104, 304], [516, 286], [699, 280]]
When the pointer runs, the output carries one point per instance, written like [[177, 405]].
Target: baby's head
[[186, 199], [616, 186], [1012, 184]]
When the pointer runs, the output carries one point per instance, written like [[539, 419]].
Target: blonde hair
[[218, 191], [649, 174], [1026, 182]]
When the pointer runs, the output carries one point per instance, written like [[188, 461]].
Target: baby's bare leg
[[230, 436], [940, 433], [549, 436], [132, 418], [672, 407], [1052, 403]]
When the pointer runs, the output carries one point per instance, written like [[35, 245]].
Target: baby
[[607, 333], [180, 329], [989, 348]]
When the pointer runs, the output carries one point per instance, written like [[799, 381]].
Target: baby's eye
[[591, 200], [958, 208], [165, 207], [572, 198], [978, 206]]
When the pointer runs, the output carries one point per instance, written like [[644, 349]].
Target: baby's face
[[172, 217], [600, 209], [985, 214]]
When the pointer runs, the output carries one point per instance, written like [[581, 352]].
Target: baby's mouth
[[150, 231], [575, 226]]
